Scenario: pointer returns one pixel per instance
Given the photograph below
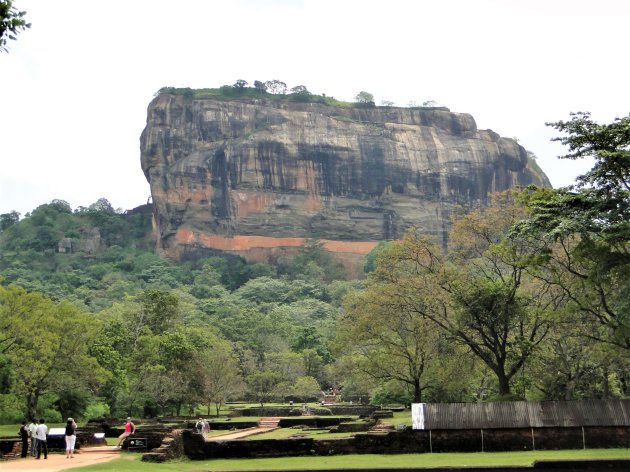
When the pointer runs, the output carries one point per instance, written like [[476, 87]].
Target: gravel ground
[[57, 462]]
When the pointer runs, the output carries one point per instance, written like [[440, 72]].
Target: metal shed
[[562, 414]]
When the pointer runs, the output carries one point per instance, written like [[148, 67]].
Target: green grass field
[[131, 462], [284, 433], [11, 430]]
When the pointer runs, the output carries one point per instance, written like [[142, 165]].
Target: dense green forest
[[529, 302]]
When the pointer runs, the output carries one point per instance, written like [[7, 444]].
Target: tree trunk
[[504, 384], [417, 391], [31, 405], [606, 384]]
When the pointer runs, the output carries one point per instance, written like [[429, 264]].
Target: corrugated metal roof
[[527, 414]]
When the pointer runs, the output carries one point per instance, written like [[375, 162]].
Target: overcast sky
[[75, 87]]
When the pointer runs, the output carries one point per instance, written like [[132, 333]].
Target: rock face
[[256, 177]]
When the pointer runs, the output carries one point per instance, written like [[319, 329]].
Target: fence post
[[583, 439], [533, 441], [430, 442], [482, 440]]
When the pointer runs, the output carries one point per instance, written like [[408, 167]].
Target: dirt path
[[239, 434], [57, 462], [95, 455]]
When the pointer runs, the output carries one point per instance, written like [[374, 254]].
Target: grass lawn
[[11, 430], [218, 432], [400, 417], [284, 433], [131, 462]]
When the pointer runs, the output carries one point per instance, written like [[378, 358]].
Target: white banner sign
[[417, 415]]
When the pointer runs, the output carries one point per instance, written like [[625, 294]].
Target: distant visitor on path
[[24, 433], [202, 426], [40, 434], [71, 437], [32, 427], [130, 429]]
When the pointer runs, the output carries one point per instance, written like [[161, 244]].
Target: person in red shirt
[[130, 428]]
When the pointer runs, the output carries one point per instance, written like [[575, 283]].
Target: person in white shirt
[[31, 430], [40, 434]]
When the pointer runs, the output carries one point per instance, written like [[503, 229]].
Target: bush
[[11, 409], [391, 393], [96, 410], [52, 416]]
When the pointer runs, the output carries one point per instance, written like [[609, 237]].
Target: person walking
[[205, 428], [40, 434], [71, 438], [130, 429], [199, 425], [31, 430], [24, 433]]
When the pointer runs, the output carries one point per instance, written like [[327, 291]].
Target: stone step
[[269, 422]]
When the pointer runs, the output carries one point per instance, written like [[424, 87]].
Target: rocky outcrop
[[89, 243], [256, 177]]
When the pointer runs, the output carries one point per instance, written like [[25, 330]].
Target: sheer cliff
[[256, 177]]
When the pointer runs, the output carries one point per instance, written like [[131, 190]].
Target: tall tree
[[276, 87], [587, 226], [300, 89], [364, 98], [8, 219], [47, 343], [306, 388], [12, 22], [571, 366], [260, 86], [19, 311], [388, 340], [220, 374], [480, 293], [262, 385]]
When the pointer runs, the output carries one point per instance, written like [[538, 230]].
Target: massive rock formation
[[256, 177]]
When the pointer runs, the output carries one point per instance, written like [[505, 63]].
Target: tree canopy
[[12, 22], [528, 300], [586, 227]]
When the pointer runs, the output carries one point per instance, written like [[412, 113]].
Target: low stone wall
[[281, 411], [354, 410], [8, 447], [354, 427], [153, 432], [178, 419], [154, 435], [414, 442], [172, 447]]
